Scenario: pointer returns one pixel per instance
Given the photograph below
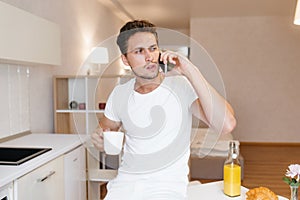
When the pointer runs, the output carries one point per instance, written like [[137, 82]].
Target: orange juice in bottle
[[232, 172]]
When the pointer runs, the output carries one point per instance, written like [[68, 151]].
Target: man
[[155, 111]]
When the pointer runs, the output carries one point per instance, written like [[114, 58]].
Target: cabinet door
[[75, 174], [46, 182]]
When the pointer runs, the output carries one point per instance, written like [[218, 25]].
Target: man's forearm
[[217, 110]]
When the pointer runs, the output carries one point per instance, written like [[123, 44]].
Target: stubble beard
[[146, 76]]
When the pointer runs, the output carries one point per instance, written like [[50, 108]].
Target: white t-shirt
[[157, 124]]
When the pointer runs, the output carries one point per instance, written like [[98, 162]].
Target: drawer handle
[[46, 177]]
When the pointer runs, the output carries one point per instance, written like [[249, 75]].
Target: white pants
[[146, 187]]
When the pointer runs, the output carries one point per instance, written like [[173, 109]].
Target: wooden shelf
[[102, 175], [79, 111], [90, 90], [70, 111], [95, 111]]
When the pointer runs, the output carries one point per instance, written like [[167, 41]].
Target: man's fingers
[[97, 139]]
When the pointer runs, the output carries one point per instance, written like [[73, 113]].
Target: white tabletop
[[214, 191]]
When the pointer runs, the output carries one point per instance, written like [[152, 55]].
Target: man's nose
[[148, 55]]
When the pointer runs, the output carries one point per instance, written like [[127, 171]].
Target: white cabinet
[[75, 174], [27, 38], [44, 183], [63, 178]]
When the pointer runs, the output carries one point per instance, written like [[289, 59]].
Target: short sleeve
[[109, 112], [189, 91]]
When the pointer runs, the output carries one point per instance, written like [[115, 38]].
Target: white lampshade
[[99, 55], [297, 14]]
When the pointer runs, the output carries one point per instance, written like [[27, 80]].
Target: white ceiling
[[176, 14]]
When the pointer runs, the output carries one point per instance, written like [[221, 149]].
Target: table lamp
[[98, 56]]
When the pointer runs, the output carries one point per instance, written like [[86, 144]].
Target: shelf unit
[[90, 90]]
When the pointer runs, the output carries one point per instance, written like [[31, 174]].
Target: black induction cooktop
[[19, 155]]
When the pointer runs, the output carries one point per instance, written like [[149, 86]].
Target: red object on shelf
[[102, 106], [81, 106]]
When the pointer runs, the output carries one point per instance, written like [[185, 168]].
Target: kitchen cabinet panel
[[75, 174], [6, 192], [26, 38], [45, 182]]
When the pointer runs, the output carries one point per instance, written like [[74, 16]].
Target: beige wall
[[259, 60], [84, 24]]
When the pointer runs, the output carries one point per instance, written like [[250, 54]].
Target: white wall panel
[[14, 101], [4, 109]]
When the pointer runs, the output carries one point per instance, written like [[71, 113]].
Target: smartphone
[[165, 67], [161, 64]]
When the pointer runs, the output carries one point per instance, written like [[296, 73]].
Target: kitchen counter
[[60, 144]]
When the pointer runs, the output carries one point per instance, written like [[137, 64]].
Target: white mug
[[113, 142]]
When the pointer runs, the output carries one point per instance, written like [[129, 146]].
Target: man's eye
[[139, 51], [153, 49]]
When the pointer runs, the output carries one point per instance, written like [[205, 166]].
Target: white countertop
[[60, 144], [214, 191]]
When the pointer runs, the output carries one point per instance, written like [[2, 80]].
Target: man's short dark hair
[[132, 27]]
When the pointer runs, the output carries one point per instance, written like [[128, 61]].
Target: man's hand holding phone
[[173, 63]]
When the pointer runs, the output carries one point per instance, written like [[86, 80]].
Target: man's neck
[[144, 86]]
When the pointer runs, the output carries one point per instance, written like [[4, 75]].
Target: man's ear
[[124, 59]]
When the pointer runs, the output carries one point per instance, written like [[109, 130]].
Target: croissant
[[261, 193]]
